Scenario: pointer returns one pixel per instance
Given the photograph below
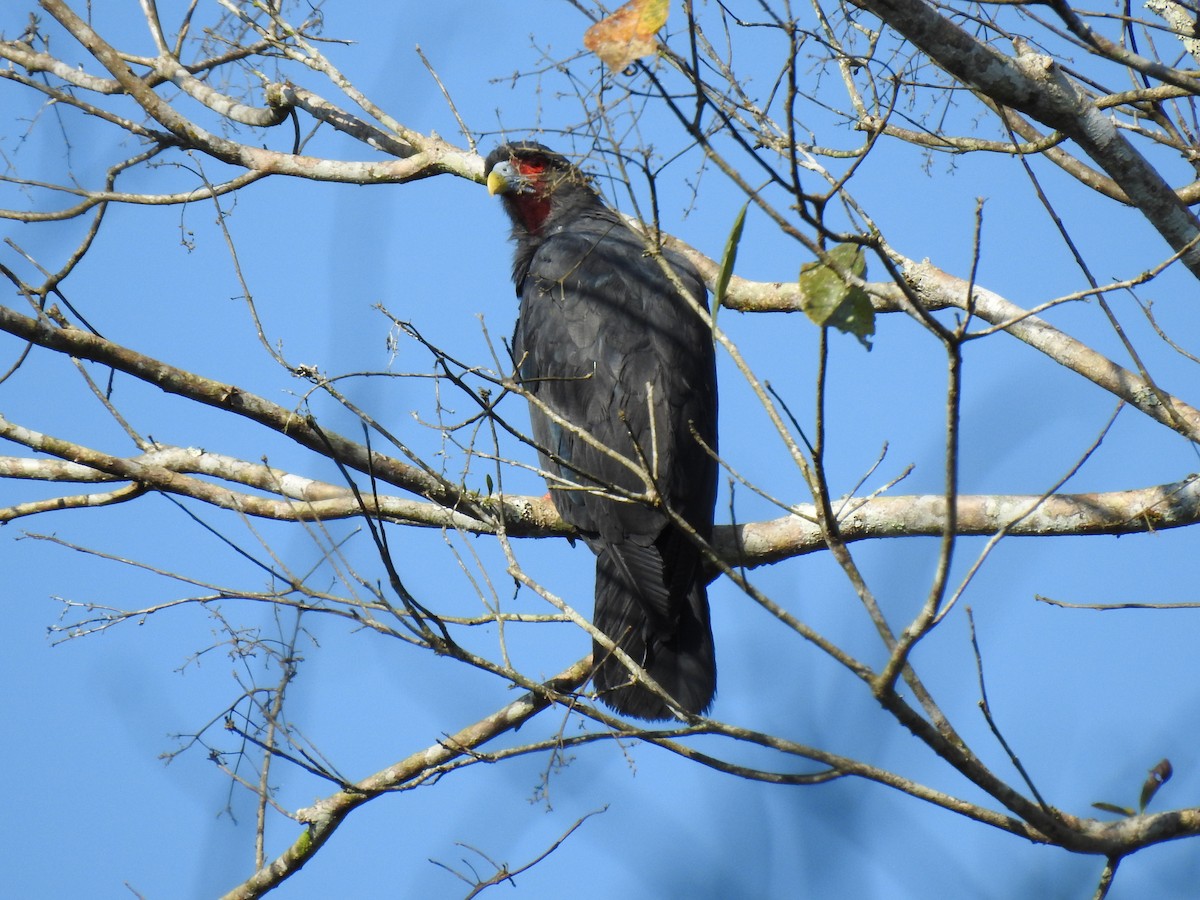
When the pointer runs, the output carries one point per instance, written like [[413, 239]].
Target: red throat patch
[[532, 208]]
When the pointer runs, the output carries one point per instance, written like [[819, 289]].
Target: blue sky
[[1089, 700]]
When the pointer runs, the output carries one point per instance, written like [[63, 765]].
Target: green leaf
[[728, 258], [830, 302], [488, 480]]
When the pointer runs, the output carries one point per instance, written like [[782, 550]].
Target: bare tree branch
[[324, 817]]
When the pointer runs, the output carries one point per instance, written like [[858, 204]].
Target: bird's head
[[535, 183]]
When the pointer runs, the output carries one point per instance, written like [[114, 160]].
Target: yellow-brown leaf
[[628, 34]]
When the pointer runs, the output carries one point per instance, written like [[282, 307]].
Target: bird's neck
[[530, 211]]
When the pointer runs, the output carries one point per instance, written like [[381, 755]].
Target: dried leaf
[[1113, 808], [628, 34]]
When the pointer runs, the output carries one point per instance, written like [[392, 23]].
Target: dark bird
[[621, 373]]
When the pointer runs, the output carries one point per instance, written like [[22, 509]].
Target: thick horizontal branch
[[1149, 509], [305, 499], [1136, 511]]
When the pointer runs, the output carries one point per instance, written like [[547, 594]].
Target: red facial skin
[[532, 204]]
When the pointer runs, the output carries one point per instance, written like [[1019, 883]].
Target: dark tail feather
[[661, 621]]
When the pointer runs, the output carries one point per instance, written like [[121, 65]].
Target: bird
[[619, 368]]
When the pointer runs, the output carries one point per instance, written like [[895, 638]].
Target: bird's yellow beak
[[497, 182]]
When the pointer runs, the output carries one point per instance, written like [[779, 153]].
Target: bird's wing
[[605, 341]]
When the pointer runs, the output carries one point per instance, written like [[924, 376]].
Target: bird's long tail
[[656, 610]]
